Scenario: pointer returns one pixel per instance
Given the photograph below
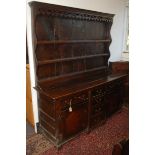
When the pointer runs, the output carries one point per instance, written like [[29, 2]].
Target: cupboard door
[[73, 118], [73, 122], [113, 98], [98, 110], [112, 103], [98, 106]]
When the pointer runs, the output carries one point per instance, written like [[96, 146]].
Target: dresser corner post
[[89, 111], [58, 119], [38, 127]]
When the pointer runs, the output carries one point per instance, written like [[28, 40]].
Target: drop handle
[[70, 106]]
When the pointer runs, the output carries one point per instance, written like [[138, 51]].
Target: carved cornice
[[73, 15], [69, 12]]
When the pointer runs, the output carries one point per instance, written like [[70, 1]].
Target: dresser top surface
[[69, 89]]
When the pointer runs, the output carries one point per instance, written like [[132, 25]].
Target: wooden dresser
[[71, 50]]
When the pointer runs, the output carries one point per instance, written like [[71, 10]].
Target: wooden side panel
[[29, 108]]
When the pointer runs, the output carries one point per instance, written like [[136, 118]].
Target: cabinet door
[[74, 121], [113, 102], [98, 106], [113, 97]]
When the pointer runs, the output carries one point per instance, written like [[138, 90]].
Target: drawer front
[[73, 101]]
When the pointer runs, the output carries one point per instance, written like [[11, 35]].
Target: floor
[[99, 141], [29, 129]]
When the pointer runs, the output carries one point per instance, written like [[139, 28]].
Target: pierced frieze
[[99, 92], [97, 99], [73, 15]]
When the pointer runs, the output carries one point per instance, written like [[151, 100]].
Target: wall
[[117, 32]]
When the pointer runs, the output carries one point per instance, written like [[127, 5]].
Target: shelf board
[[71, 74], [70, 59], [70, 41]]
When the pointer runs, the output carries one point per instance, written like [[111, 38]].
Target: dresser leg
[[88, 130], [38, 128], [59, 147]]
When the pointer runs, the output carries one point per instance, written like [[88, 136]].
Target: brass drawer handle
[[70, 106]]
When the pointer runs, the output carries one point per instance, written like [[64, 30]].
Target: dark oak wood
[[71, 41], [71, 50], [71, 59], [121, 67]]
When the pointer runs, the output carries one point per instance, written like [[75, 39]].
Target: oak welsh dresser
[[71, 51]]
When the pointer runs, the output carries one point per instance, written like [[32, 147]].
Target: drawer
[[73, 101], [83, 106]]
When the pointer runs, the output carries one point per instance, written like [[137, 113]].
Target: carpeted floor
[[29, 129], [100, 141]]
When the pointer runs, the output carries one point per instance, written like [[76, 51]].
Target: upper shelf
[[71, 41], [70, 59]]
